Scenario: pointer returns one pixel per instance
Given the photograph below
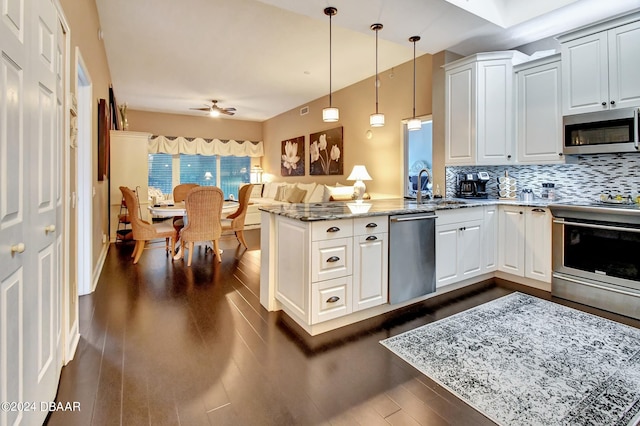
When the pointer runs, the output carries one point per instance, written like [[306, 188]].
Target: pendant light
[[330, 114], [414, 123], [377, 119]]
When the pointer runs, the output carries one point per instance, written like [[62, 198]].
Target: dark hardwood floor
[[166, 344]]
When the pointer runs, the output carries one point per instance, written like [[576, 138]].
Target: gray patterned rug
[[521, 360]]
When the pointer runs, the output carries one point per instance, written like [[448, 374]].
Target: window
[[234, 171], [227, 173], [418, 155], [200, 169], [160, 172]]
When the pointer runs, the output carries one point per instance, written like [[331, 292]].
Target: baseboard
[[74, 340], [99, 265]]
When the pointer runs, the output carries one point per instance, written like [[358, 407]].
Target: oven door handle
[[636, 132], [596, 226]]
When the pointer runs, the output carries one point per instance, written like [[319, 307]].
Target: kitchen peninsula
[[326, 264]]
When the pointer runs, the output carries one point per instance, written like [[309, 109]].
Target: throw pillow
[[309, 187], [271, 192], [281, 193], [296, 195], [256, 191], [316, 195]]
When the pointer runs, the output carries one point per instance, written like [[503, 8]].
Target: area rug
[[521, 360]]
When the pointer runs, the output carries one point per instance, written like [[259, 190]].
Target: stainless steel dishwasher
[[412, 256]]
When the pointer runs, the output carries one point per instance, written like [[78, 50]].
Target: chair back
[[204, 208], [180, 191], [244, 194], [141, 229]]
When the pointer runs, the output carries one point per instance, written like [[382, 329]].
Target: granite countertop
[[394, 206]]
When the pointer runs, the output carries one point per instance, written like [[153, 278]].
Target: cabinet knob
[[509, 156], [17, 248], [49, 228], [333, 229], [333, 299], [521, 212], [560, 154], [371, 238], [371, 225], [604, 104], [333, 259], [613, 102]]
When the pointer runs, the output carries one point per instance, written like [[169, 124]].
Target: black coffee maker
[[473, 185]]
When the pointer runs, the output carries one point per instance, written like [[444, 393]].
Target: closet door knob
[[17, 248]]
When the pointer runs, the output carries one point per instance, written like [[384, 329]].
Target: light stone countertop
[[394, 206]]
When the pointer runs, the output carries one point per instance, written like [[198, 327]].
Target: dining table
[[165, 209]]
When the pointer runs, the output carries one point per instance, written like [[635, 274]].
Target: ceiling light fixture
[[213, 112], [330, 114], [377, 119], [414, 123]]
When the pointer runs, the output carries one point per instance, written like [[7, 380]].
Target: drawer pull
[[333, 259], [333, 229], [538, 210], [371, 238], [333, 299], [371, 225]]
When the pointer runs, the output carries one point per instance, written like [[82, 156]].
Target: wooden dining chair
[[180, 194], [144, 231], [235, 221], [204, 208]]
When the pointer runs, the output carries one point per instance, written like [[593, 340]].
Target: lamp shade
[[255, 175], [376, 120], [330, 114], [359, 172], [414, 124]]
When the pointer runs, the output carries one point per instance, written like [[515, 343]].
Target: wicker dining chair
[[204, 208], [235, 221], [144, 231], [180, 194]]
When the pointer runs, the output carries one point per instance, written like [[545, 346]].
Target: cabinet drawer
[[331, 259], [331, 229], [330, 299], [465, 214], [370, 225]]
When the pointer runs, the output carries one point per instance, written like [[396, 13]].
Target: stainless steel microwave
[[601, 132]]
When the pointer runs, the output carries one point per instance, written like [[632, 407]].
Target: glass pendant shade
[[414, 124], [330, 114], [376, 120]]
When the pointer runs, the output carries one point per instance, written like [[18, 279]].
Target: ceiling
[[269, 56]]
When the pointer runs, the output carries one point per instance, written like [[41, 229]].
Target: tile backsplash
[[583, 178]]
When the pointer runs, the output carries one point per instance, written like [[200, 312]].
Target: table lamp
[[359, 174]]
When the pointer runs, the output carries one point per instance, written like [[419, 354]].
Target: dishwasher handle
[[410, 218]]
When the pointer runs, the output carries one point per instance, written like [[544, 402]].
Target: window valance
[[182, 145]]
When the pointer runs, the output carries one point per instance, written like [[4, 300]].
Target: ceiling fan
[[215, 110]]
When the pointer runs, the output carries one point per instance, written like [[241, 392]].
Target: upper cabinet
[[539, 111], [600, 66], [479, 108]]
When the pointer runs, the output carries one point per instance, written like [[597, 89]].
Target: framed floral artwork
[[292, 162], [326, 152]]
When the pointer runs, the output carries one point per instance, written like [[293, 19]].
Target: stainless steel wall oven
[[596, 256]]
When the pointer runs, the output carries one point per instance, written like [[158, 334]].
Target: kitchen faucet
[[419, 193]]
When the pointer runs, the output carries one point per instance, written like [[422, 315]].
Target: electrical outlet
[[104, 238]]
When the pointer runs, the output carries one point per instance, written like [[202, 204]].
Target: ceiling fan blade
[[201, 109], [227, 111]]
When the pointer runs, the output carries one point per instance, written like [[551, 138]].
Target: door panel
[[11, 339]]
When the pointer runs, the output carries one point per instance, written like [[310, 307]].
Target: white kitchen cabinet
[[479, 109], [538, 244], [459, 245], [329, 269], [490, 242], [539, 111], [600, 66], [370, 262], [525, 242]]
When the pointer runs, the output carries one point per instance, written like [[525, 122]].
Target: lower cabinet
[[459, 245], [524, 242], [329, 269]]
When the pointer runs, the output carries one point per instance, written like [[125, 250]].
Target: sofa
[[271, 193]]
